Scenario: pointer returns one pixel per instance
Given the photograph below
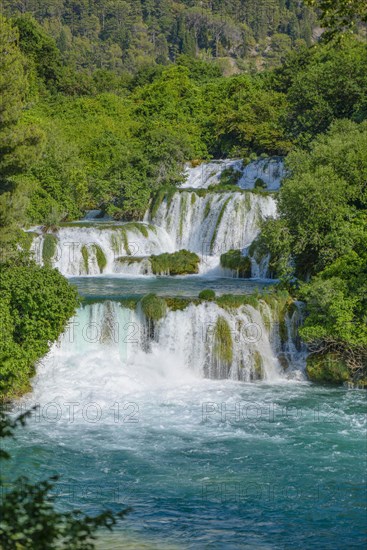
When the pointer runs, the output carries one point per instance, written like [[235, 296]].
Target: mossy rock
[[223, 343], [208, 295], [230, 176], [234, 260], [182, 262], [329, 368], [85, 256], [154, 307], [101, 258], [177, 303], [258, 373]]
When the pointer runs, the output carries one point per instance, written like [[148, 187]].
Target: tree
[[20, 143], [339, 16]]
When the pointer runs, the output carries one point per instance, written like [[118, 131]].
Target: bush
[[208, 295], [35, 305], [182, 262], [328, 368], [233, 259]]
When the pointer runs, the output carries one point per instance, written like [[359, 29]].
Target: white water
[[215, 223], [209, 226], [270, 170], [109, 351]]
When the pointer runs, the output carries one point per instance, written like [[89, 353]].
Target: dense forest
[[79, 133], [125, 36]]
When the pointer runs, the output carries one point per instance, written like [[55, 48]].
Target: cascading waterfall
[[108, 349], [95, 250], [270, 170], [208, 225], [214, 223]]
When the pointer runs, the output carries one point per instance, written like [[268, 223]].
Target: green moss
[[85, 256], [154, 307], [234, 301], [178, 303], [101, 258], [258, 366], [193, 198], [220, 217], [183, 207], [125, 240], [329, 368], [157, 201], [129, 303], [223, 344], [230, 176], [49, 248], [207, 208], [182, 262], [27, 240], [260, 184], [233, 259], [129, 260], [208, 295]]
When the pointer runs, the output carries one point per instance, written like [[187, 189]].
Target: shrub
[[328, 368], [35, 305]]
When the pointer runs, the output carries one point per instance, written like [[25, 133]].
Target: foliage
[[230, 176], [182, 262], [29, 518], [36, 303], [329, 368], [321, 233], [233, 259], [322, 84], [101, 258], [127, 37], [339, 16]]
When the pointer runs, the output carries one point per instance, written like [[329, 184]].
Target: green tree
[[339, 16]]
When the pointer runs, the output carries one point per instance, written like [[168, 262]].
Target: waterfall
[[107, 349], [103, 249], [270, 170], [215, 223], [208, 225]]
